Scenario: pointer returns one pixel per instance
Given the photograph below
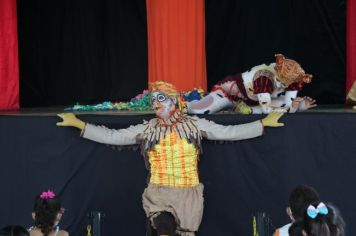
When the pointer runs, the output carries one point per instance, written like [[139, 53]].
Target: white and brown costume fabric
[[264, 88]]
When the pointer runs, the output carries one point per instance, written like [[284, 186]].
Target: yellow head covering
[[168, 89], [165, 87]]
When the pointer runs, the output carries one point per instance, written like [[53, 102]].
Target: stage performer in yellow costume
[[171, 143]]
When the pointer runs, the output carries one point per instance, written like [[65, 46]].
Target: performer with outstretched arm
[[260, 90], [171, 143]]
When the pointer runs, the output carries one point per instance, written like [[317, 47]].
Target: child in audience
[[319, 219], [47, 213], [299, 199]]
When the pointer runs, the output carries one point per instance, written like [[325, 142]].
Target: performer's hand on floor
[[307, 103], [295, 104], [271, 120], [69, 119]]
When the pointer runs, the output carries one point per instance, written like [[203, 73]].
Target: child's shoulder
[[62, 233], [35, 232]]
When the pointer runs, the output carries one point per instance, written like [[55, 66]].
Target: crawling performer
[[263, 89]]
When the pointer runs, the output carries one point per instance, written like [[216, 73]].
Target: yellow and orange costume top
[[173, 162], [172, 149]]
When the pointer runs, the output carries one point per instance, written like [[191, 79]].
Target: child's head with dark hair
[[296, 229], [47, 212], [316, 220], [14, 230], [335, 220], [319, 220], [299, 199]]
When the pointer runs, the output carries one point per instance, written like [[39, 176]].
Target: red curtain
[[351, 44], [9, 68], [176, 42]]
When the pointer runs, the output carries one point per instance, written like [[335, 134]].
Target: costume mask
[[163, 105]]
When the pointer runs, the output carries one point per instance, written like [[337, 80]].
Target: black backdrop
[[245, 33], [239, 178], [81, 51], [91, 51]]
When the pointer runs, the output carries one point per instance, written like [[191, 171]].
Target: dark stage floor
[[49, 111]]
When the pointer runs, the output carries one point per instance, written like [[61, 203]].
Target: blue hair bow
[[313, 212]]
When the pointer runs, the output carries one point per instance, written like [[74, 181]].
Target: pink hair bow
[[47, 195]]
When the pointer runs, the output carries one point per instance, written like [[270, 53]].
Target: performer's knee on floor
[[165, 224]]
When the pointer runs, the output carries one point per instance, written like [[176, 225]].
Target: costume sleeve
[[105, 135], [264, 99], [263, 87], [262, 84], [289, 97], [213, 131], [295, 87]]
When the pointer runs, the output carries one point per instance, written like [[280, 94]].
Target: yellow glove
[[243, 108], [272, 120], [354, 107], [69, 119]]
